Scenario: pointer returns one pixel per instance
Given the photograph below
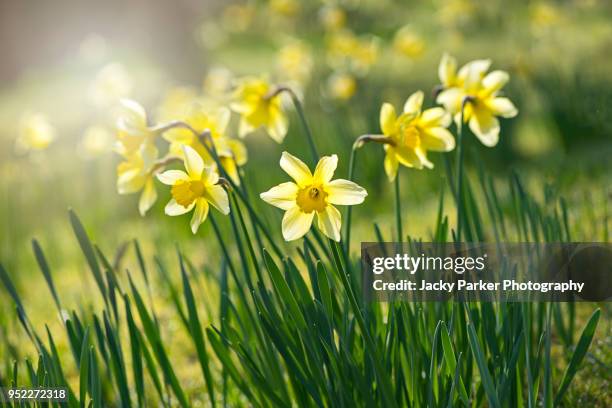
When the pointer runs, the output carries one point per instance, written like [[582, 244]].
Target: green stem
[[349, 211], [300, 111], [398, 209], [459, 172]]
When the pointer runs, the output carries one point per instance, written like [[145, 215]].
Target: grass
[[292, 329]]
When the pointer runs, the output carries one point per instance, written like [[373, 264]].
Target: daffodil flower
[[35, 133], [135, 174], [132, 128], [231, 152], [194, 189], [312, 194], [478, 94], [413, 133], [259, 107]]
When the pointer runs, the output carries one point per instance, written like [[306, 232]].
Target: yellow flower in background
[[346, 51], [408, 43], [286, 8], [132, 128], [217, 83], [231, 152], [294, 61], [176, 103], [310, 194], [481, 93], [195, 189], [413, 133], [258, 108], [341, 86], [332, 17], [136, 174], [35, 132], [238, 17], [111, 84]]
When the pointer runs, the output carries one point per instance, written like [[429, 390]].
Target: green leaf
[[581, 349]]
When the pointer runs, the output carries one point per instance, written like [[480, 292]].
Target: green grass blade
[[581, 349]]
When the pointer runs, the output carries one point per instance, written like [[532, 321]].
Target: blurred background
[[65, 64]]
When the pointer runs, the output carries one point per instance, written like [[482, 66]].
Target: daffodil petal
[[451, 99], [245, 128], [147, 197], [277, 129], [170, 177], [223, 118], [193, 163], [345, 192], [296, 223], [414, 103], [217, 196], [173, 208], [408, 157], [502, 107], [485, 126], [387, 119], [130, 181], [472, 72], [199, 214], [435, 117], [329, 222], [391, 164], [422, 155], [239, 151], [282, 196], [296, 169], [494, 81], [447, 70], [325, 169], [438, 139], [210, 174]]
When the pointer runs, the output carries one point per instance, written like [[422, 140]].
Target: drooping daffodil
[[260, 107], [135, 174], [196, 189], [478, 94], [311, 194], [412, 133], [133, 130]]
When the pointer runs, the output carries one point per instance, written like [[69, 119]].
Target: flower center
[[410, 137], [186, 192], [311, 198]]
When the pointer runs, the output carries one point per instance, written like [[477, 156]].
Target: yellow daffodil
[[132, 128], [231, 152], [35, 133], [413, 133], [294, 62], [286, 8], [259, 107], [408, 43], [310, 194], [332, 17], [194, 189], [341, 86], [136, 174], [347, 51], [480, 92]]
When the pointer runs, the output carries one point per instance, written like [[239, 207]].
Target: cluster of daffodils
[[196, 130], [469, 95], [200, 136]]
